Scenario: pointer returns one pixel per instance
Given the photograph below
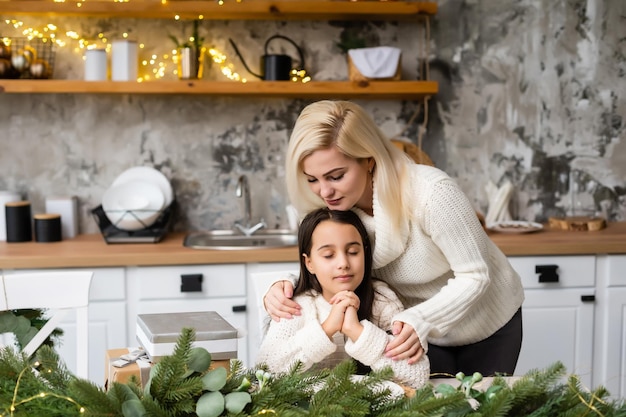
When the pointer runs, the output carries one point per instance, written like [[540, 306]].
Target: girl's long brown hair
[[308, 281]]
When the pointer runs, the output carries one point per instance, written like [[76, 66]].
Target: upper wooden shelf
[[229, 10], [313, 89]]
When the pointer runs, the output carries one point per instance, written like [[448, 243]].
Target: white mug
[[95, 65]]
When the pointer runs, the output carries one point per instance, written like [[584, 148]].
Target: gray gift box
[[158, 333]]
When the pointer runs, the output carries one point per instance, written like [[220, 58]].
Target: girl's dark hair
[[308, 281]]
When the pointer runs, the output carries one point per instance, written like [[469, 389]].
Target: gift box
[[118, 369], [159, 333]]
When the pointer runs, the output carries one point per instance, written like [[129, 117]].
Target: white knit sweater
[[457, 286], [303, 339]]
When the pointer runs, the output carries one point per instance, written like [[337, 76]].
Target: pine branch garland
[[173, 391]]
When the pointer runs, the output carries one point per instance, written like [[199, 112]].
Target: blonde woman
[[462, 297]]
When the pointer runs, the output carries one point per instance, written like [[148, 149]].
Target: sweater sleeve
[[369, 348], [451, 222], [298, 339]]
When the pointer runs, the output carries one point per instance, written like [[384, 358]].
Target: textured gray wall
[[530, 90]]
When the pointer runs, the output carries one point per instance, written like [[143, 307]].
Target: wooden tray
[[577, 223]]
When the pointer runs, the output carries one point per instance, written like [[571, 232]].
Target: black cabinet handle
[[547, 273], [588, 298], [191, 283], [238, 309]]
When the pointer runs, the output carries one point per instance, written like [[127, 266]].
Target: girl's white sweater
[[303, 339]]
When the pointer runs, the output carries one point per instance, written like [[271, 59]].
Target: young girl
[[345, 313]]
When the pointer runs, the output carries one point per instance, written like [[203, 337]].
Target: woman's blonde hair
[[347, 126]]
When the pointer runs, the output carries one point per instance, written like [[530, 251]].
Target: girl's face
[[340, 181], [337, 257]]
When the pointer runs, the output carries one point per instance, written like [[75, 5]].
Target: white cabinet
[[187, 288], [256, 313], [610, 357], [107, 321], [558, 313]]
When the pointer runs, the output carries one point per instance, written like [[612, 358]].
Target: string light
[[153, 67], [15, 403]]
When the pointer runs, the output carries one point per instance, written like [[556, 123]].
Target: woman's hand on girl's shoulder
[[278, 302]]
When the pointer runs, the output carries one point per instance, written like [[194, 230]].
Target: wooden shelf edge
[[287, 89], [247, 10]]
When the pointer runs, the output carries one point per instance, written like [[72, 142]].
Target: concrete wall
[[530, 91]]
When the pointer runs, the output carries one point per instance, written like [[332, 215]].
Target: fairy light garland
[[153, 67], [15, 403]]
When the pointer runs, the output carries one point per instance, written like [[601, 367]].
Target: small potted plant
[[190, 55]]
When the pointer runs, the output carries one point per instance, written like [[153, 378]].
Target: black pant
[[496, 354]]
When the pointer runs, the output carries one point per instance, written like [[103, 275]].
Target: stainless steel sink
[[233, 240]]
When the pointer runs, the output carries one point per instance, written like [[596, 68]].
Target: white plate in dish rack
[[133, 205], [516, 226], [147, 174]]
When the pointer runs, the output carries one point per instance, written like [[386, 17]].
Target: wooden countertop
[[92, 251]]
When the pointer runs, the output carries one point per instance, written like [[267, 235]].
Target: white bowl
[[147, 174], [133, 205]]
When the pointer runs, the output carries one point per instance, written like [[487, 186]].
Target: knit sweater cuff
[[369, 346], [422, 328], [321, 345]]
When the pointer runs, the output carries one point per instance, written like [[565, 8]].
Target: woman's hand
[[405, 344], [278, 303]]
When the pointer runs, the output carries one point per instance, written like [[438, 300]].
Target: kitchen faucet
[[243, 190]]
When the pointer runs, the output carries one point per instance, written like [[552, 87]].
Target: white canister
[[124, 60], [96, 65], [6, 197], [67, 207]]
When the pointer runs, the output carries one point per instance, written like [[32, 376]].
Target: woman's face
[[337, 257], [340, 181]]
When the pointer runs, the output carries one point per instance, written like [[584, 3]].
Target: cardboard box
[[141, 368], [159, 333]]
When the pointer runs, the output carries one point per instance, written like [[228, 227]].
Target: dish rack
[[152, 234]]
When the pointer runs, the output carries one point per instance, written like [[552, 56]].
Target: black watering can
[[276, 67]]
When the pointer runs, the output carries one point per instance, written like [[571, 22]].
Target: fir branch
[[52, 369], [100, 404]]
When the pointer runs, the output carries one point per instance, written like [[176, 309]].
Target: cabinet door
[[558, 316], [256, 313], [558, 326], [107, 321], [614, 354], [610, 357], [162, 289]]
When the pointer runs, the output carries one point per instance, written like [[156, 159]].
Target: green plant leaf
[[445, 389], [215, 379], [133, 408], [236, 401], [210, 404], [199, 359]]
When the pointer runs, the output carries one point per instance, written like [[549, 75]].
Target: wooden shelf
[[230, 10], [287, 89]]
